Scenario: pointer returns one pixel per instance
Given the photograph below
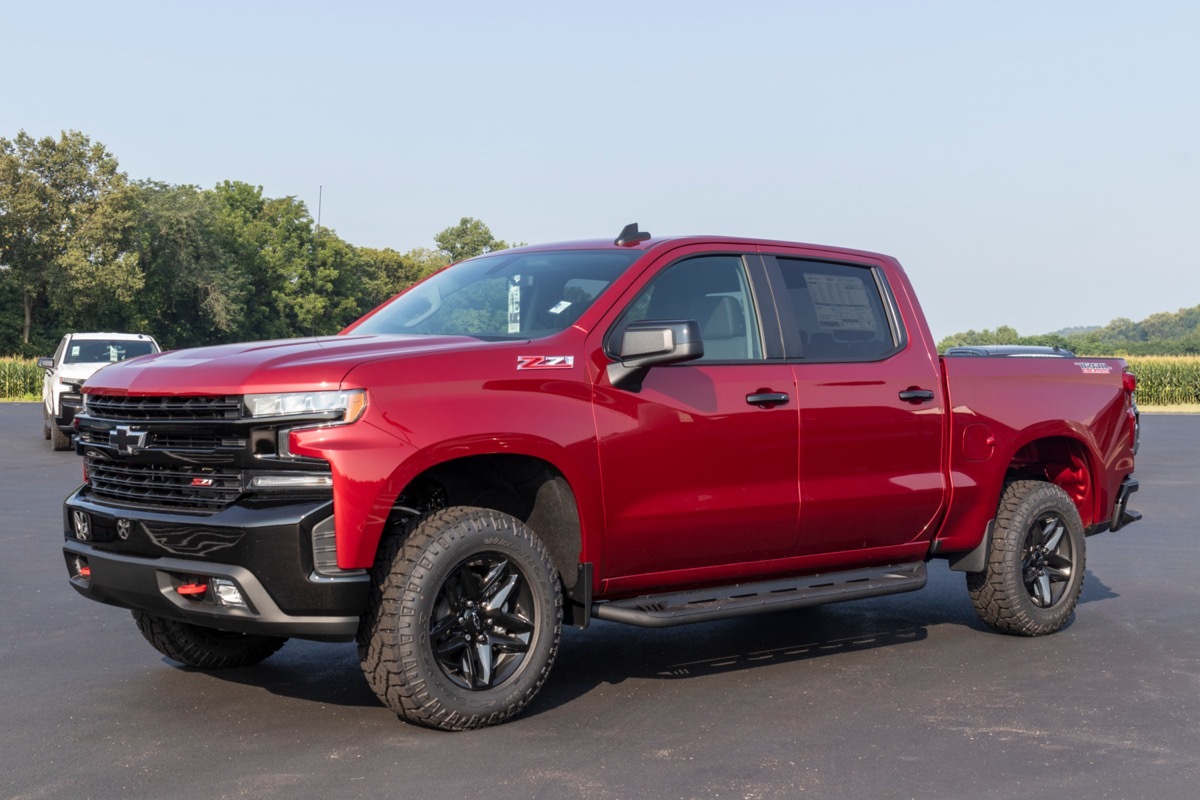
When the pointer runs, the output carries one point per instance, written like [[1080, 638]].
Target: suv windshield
[[106, 351], [503, 296]]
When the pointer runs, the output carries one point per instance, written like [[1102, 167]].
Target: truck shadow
[[610, 653]]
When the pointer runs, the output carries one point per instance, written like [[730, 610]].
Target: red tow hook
[[192, 589]]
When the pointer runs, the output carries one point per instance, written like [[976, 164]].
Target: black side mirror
[[46, 362], [653, 342]]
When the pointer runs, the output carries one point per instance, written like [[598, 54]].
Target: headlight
[[350, 402], [74, 383]]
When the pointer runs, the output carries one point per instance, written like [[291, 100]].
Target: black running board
[[722, 602]]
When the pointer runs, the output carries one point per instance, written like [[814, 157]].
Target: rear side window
[[839, 309]]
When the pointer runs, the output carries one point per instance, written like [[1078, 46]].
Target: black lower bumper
[[244, 569]]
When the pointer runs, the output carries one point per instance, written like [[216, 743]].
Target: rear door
[[870, 405], [699, 471]]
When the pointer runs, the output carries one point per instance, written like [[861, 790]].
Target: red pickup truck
[[652, 431]]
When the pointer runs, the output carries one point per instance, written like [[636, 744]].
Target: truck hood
[[273, 366]]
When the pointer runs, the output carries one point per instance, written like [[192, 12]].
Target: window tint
[[714, 291], [839, 311]]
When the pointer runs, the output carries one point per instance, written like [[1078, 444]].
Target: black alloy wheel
[[482, 622], [1047, 561]]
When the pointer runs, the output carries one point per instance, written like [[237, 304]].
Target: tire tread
[[204, 648]]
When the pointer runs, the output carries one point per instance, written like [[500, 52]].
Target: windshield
[[106, 351], [503, 296]]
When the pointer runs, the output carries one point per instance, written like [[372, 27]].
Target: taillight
[[1130, 381]]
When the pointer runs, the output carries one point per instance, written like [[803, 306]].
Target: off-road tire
[[454, 576], [45, 423], [205, 648], [1036, 562], [58, 439]]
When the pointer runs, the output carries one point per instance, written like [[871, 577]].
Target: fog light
[[227, 593]]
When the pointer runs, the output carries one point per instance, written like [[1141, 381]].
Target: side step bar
[[722, 602]]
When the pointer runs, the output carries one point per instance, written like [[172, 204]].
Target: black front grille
[[165, 408], [183, 487], [162, 440]]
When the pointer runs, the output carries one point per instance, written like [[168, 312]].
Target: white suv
[[77, 358]]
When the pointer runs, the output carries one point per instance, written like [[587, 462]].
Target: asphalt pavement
[[897, 697]]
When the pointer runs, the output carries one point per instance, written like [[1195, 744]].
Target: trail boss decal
[[1094, 367], [545, 362]]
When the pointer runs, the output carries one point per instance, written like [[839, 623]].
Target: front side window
[[713, 291], [503, 295], [839, 310]]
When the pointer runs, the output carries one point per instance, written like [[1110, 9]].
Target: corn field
[[1162, 380], [20, 379], [1166, 380]]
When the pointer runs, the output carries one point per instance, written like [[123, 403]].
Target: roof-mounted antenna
[[630, 235]]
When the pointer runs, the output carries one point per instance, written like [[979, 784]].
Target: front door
[[700, 465]]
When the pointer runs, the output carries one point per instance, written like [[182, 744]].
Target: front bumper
[[157, 562]]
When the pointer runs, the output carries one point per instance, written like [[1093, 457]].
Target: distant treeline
[[1162, 334], [82, 247]]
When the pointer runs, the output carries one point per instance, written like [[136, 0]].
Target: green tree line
[[83, 247], [1163, 334]]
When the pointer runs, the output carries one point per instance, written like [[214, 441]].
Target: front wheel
[[205, 648], [1036, 563], [464, 619], [58, 439]]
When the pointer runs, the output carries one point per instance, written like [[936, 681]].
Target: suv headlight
[[74, 383], [351, 402]]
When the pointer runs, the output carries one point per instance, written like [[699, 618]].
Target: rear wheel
[[1036, 564], [205, 648], [464, 619]]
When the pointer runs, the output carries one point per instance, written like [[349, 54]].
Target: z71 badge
[[545, 362]]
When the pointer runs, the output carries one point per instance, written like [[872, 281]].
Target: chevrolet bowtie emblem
[[128, 441]]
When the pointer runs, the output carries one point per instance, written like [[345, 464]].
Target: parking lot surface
[[895, 697]]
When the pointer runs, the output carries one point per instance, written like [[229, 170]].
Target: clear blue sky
[[1031, 163]]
